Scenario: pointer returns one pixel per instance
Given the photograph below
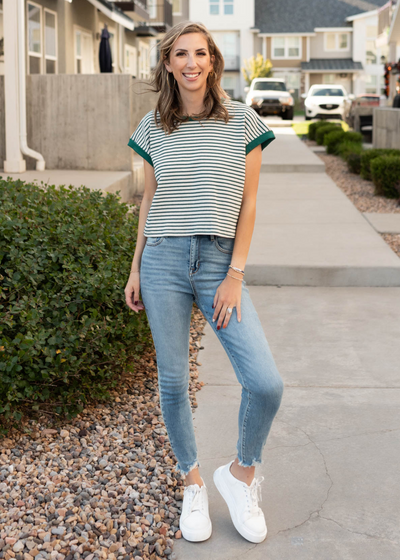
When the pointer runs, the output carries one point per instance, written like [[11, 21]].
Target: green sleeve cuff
[[264, 140], [140, 151]]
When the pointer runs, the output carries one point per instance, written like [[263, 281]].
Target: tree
[[256, 67]]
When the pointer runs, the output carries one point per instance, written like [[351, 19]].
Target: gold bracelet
[[233, 276]]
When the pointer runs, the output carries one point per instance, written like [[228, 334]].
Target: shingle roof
[[326, 64], [303, 16]]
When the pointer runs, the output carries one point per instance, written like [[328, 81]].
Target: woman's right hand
[[132, 292]]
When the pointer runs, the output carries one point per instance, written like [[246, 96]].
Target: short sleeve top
[[200, 170]]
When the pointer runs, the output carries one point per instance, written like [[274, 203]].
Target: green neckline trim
[[264, 140], [140, 151]]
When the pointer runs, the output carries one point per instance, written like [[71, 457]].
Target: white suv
[[326, 101], [269, 96]]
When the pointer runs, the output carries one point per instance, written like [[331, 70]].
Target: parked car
[[269, 96], [327, 101], [360, 116]]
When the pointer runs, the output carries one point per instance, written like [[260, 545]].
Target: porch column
[[14, 162]]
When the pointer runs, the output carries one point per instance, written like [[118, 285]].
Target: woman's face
[[190, 62]]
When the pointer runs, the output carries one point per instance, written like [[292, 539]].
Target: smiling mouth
[[193, 75]]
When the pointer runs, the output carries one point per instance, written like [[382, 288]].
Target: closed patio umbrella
[[105, 58]]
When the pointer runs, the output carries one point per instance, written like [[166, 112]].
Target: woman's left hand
[[228, 294]]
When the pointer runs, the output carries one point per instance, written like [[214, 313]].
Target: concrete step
[[308, 233], [127, 182]]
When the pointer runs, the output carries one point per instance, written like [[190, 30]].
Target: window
[[228, 84], [83, 52], [144, 60], [228, 7], [152, 8], [336, 41], [214, 7], [228, 42], [371, 83], [328, 78], [50, 41], [370, 57], [35, 47], [286, 47], [131, 60], [1, 34], [177, 7]]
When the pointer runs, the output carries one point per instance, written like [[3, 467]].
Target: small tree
[[256, 67]]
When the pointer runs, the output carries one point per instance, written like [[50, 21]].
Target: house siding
[[317, 48]]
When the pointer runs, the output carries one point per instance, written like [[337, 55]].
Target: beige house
[[63, 36]]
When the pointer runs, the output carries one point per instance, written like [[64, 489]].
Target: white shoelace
[[254, 493], [195, 496]]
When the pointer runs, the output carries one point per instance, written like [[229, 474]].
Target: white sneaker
[[242, 501], [195, 522]]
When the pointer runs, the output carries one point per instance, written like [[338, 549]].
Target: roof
[[303, 16], [331, 65]]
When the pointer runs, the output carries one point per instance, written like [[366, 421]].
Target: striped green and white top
[[200, 170]]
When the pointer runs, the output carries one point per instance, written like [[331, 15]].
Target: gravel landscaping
[[102, 485], [393, 240], [360, 191]]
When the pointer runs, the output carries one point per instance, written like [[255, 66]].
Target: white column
[[14, 162]]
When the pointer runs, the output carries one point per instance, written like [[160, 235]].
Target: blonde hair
[[169, 104]]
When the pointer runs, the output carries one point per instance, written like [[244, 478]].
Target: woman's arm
[[247, 215], [229, 292], [150, 187]]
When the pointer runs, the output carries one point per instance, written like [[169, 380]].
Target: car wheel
[[289, 114]]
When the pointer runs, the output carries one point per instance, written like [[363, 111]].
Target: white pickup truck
[[269, 96]]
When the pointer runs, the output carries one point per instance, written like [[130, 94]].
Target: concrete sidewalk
[[331, 487], [308, 233]]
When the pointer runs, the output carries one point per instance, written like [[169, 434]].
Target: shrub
[[354, 162], [369, 155], [385, 172], [344, 149], [65, 330], [313, 127], [322, 130], [332, 140]]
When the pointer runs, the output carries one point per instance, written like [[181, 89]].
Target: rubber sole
[[195, 537], [223, 490]]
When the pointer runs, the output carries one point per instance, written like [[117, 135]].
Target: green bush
[[322, 130], [332, 140], [354, 162], [65, 330], [385, 172], [369, 155], [344, 149], [313, 127]]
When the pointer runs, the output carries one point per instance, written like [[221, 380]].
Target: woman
[[202, 160]]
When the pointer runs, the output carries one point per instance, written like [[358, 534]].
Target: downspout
[[40, 163], [121, 50]]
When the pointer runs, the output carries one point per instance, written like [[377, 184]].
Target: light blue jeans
[[174, 273]]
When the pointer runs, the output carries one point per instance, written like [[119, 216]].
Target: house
[[230, 22], [388, 41], [63, 36], [310, 42]]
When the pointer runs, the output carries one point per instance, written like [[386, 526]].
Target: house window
[[214, 7], [83, 52], [131, 60], [228, 84], [370, 57], [152, 8], [144, 60], [228, 7], [50, 41], [35, 46], [336, 41], [371, 83], [286, 47], [177, 7], [328, 78]]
